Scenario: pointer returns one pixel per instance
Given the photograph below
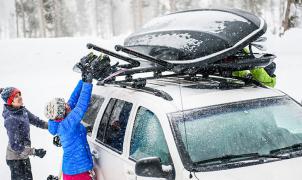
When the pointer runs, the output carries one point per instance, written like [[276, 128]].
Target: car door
[[147, 140], [107, 148], [90, 116]]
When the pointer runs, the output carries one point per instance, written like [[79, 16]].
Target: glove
[[56, 141], [39, 152], [87, 76], [51, 177]]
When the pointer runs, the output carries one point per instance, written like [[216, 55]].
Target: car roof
[[187, 94]]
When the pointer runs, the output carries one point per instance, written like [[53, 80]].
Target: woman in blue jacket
[[65, 121]]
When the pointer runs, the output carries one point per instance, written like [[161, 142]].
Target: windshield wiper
[[292, 148], [240, 157]]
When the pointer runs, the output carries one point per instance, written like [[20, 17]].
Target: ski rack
[[133, 62], [140, 84], [158, 66]]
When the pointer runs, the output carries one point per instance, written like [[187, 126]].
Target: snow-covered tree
[[107, 18]]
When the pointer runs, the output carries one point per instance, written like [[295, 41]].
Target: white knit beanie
[[55, 109]]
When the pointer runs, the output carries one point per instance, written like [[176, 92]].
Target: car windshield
[[263, 126]]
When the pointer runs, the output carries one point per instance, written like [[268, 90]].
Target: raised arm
[[77, 114], [75, 95]]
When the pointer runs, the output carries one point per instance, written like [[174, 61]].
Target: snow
[[42, 69], [182, 40], [194, 20]]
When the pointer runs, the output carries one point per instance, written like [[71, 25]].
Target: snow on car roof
[[196, 97], [186, 96]]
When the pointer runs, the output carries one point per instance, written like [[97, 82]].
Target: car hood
[[279, 170]]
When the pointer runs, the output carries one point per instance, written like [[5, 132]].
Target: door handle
[[95, 154]]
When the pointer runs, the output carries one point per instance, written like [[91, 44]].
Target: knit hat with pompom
[[8, 94], [55, 109]]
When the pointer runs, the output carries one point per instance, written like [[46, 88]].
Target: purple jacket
[[16, 122]]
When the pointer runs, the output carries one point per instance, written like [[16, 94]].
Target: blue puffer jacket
[[77, 157]]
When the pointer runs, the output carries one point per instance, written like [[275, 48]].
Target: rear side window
[[95, 105], [148, 138], [113, 125]]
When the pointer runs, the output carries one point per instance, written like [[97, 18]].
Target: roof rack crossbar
[[133, 62], [139, 84], [160, 62]]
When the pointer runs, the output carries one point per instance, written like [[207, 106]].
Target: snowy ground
[[42, 69]]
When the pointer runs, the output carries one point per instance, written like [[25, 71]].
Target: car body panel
[[112, 165], [279, 170]]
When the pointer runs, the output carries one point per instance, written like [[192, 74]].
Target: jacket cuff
[[45, 125]]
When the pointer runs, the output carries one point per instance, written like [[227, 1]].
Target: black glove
[[87, 76], [52, 177], [40, 153], [56, 141]]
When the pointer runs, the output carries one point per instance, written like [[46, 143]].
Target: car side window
[[94, 107], [113, 125], [148, 138]]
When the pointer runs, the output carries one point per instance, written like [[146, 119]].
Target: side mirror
[[151, 167]]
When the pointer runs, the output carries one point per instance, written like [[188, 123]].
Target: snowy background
[[108, 18], [42, 69]]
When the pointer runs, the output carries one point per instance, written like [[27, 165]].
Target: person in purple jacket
[[17, 119]]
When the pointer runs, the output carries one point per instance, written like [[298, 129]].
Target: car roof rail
[[140, 84]]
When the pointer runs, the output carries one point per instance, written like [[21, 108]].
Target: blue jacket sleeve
[[14, 136], [77, 114], [75, 95], [52, 127], [34, 120]]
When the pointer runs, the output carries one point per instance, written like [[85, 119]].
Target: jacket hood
[[9, 110]]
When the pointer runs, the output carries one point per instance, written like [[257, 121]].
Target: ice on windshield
[[250, 127]]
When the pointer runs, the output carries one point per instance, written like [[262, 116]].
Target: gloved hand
[[87, 76], [56, 141], [52, 177], [39, 152]]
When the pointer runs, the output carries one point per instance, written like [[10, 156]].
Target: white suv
[[183, 129], [191, 119]]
